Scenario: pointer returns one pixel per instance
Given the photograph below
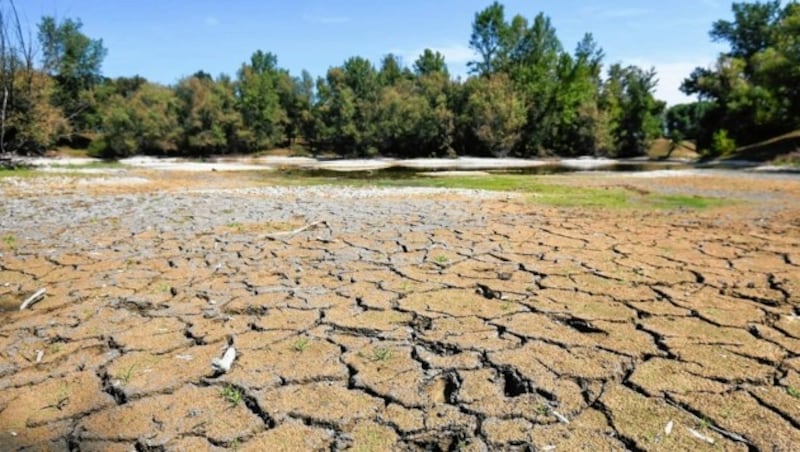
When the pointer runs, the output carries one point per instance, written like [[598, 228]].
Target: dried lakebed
[[404, 318]]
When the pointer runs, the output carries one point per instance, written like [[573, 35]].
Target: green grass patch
[[10, 241], [17, 172], [541, 191], [300, 345], [685, 202], [232, 395], [103, 164], [382, 354]]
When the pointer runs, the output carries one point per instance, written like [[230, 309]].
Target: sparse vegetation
[[238, 226], [300, 345], [232, 395], [10, 241], [542, 191], [382, 353], [793, 392], [125, 376]]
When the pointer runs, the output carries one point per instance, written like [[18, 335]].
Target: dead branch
[[288, 235], [35, 298]]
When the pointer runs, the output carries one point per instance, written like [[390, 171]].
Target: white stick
[[560, 417], [39, 356], [701, 436], [35, 298], [224, 365], [293, 233], [668, 428]]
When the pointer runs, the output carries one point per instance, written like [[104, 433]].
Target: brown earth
[[410, 320]]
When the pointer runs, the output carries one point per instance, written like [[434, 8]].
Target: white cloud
[[670, 75], [325, 20]]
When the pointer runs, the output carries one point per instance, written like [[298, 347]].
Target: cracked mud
[[412, 319]]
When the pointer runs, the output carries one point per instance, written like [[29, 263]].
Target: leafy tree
[[296, 96], [577, 120], [536, 67], [403, 120], [336, 116], [259, 88], [208, 117], [32, 123], [488, 29], [494, 115], [74, 60], [28, 122], [392, 71], [430, 62], [142, 121], [754, 86], [636, 114], [685, 121]]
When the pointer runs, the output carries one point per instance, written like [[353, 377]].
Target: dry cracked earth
[[409, 319]]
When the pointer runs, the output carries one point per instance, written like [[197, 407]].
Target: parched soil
[[401, 319]]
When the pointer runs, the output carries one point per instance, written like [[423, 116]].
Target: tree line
[[752, 91], [526, 96]]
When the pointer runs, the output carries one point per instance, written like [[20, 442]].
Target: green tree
[[208, 117], [28, 121], [337, 123], [486, 40], [392, 71], [494, 115], [430, 62], [142, 121], [685, 121], [75, 61], [263, 91], [753, 87], [636, 114]]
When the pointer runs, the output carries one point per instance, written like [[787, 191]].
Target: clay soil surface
[[411, 318]]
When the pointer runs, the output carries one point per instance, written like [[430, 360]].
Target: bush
[[722, 144]]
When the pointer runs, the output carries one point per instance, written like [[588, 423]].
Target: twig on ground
[[560, 417], [288, 235], [700, 436], [35, 298]]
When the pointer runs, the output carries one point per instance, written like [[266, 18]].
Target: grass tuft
[[232, 395], [382, 353], [300, 345]]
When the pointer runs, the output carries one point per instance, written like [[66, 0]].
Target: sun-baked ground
[[406, 318]]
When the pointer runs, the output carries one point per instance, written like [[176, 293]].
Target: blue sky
[[164, 40]]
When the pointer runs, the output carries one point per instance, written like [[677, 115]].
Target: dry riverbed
[[405, 318]]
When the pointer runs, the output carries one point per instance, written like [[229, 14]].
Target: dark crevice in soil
[[630, 443], [117, 393], [777, 410], [142, 447], [452, 385], [583, 326], [658, 340], [700, 416], [514, 384], [252, 404]]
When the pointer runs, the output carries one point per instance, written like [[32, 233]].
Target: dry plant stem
[[288, 235], [35, 298]]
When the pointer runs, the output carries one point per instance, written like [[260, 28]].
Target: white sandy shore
[[244, 163]]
